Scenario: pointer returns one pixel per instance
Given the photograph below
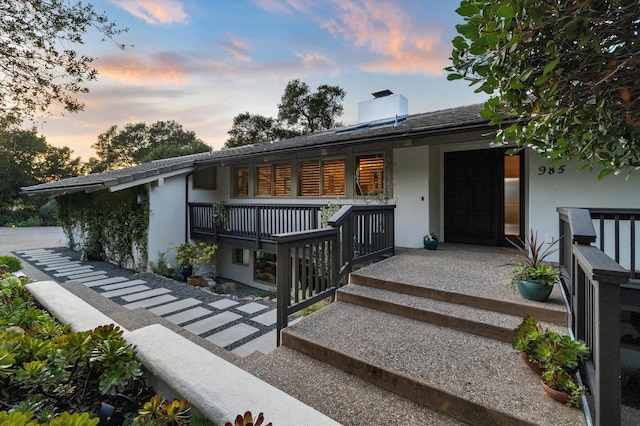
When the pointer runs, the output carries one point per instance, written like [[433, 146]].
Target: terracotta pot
[[195, 280], [557, 395], [532, 365], [534, 290]]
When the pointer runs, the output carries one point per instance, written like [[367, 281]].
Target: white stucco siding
[[573, 188], [411, 195], [167, 216]]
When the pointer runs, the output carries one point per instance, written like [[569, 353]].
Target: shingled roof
[[430, 123]]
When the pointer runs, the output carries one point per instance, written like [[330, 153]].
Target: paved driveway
[[12, 239]]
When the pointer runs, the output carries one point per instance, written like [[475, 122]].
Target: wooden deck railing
[[253, 222], [614, 232], [312, 265], [366, 235], [593, 293]]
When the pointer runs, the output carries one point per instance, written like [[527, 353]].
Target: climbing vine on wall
[[107, 225]]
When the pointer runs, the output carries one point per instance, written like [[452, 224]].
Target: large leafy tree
[[140, 143], [39, 67], [300, 111], [307, 111], [563, 72], [27, 159], [251, 128]]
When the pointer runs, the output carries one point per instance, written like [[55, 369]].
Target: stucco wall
[[411, 195], [167, 216], [574, 188]]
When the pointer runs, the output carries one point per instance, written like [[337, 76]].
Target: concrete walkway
[[238, 325]]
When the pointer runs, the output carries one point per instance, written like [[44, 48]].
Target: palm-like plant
[[529, 265]]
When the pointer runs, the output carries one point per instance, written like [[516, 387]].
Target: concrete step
[[482, 322], [346, 398], [471, 378], [554, 313]]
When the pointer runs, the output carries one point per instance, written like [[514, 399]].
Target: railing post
[[599, 279], [606, 352], [258, 225], [283, 281]]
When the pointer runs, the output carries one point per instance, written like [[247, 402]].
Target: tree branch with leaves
[[563, 72], [38, 66]]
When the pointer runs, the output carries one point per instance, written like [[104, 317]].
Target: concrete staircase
[[445, 356]]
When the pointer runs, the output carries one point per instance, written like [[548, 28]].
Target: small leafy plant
[[219, 213], [431, 236], [159, 411], [529, 265], [12, 262], [527, 335], [559, 379], [194, 255], [558, 356]]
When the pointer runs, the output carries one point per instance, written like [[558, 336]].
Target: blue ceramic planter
[[534, 290], [430, 244]]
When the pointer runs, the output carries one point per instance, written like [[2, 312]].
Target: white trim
[[149, 179]]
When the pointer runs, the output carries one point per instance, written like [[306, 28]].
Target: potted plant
[[219, 214], [185, 253], [556, 350], [526, 338], [431, 241], [562, 386], [192, 256], [533, 279], [554, 357]]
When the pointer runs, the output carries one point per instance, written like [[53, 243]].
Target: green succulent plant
[[559, 379]]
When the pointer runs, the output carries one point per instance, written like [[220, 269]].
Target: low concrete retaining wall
[[67, 307], [217, 389]]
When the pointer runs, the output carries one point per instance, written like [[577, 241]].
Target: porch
[[432, 331], [461, 288]]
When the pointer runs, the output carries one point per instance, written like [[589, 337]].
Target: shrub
[[31, 222], [47, 369], [12, 262]]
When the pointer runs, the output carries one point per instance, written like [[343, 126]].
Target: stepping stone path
[[240, 326]]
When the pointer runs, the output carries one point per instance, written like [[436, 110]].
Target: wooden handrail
[[312, 265], [593, 297]]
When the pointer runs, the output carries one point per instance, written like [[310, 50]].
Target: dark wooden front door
[[474, 197]]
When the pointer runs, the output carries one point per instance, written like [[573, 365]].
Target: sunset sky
[[202, 62]]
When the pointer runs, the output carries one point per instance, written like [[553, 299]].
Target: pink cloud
[[159, 68], [237, 49], [154, 12], [388, 32]]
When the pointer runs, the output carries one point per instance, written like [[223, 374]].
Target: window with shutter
[[309, 177], [370, 175], [241, 184], [333, 177], [282, 180], [263, 176]]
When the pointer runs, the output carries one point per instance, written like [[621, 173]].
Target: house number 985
[[542, 170]]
